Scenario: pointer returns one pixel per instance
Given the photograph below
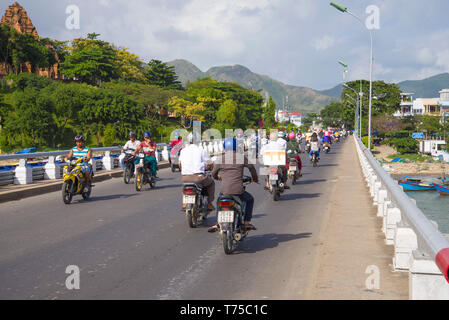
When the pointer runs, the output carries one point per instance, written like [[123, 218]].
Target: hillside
[[300, 98], [426, 88]]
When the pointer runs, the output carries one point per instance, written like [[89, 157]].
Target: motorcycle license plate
[[273, 176], [225, 216], [188, 199], [292, 168]]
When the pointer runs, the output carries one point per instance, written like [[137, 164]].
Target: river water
[[432, 204]]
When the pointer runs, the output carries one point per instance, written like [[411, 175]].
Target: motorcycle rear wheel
[[86, 195], [191, 218], [228, 240], [127, 175], [276, 194], [67, 194]]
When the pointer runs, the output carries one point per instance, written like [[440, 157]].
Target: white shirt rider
[[193, 159]]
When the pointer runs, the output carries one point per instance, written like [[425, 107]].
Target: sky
[[298, 42]]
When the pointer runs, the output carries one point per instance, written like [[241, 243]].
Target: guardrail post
[[376, 189], [23, 173], [108, 161], [426, 282], [391, 221], [210, 148], [216, 147], [381, 199], [404, 243], [93, 163], [52, 171], [165, 153], [387, 205]]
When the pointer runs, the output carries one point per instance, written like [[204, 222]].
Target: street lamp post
[[345, 10]]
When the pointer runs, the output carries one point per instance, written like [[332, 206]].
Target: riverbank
[[383, 153]]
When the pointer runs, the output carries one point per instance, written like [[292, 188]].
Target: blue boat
[[413, 186], [443, 190]]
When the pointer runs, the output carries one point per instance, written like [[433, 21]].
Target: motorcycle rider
[[231, 176], [277, 144], [315, 146], [131, 144], [177, 140], [294, 147], [192, 162], [81, 151], [149, 148]]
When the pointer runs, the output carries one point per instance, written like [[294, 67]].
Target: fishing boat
[[414, 186], [443, 190], [410, 179]]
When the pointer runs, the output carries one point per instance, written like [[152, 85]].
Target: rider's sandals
[[250, 227], [212, 229]]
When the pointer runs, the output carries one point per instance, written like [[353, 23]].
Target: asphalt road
[[131, 245]]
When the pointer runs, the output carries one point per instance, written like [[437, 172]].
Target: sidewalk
[[352, 241]]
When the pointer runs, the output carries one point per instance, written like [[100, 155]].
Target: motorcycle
[[231, 221], [74, 181], [195, 199], [143, 174], [308, 146], [273, 182], [314, 159], [327, 148], [293, 173], [129, 165]]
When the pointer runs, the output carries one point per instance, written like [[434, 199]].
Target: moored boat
[[414, 186], [443, 190], [410, 179]]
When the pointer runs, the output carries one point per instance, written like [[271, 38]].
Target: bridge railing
[[419, 247], [49, 168]]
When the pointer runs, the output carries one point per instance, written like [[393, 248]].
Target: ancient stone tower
[[17, 18]]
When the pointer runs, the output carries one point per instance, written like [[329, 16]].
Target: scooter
[[129, 165], [231, 220], [143, 174], [293, 173], [74, 181], [274, 183]]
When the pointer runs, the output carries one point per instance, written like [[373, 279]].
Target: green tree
[[269, 114], [129, 66], [160, 74], [332, 114], [227, 115], [91, 60], [109, 135]]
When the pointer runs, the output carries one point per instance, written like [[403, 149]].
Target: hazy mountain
[[426, 88], [300, 98], [334, 92]]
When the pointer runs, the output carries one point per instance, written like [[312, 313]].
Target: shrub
[[365, 142], [403, 145]]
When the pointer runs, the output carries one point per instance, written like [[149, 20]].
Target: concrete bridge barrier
[[419, 248]]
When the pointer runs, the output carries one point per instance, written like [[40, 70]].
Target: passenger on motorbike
[[149, 148], [81, 151], [295, 148], [178, 139], [277, 144], [192, 162], [315, 146], [132, 144], [231, 176]]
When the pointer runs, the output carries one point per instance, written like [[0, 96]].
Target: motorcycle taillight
[[225, 203], [189, 191], [274, 171]]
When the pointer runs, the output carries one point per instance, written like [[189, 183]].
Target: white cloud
[[323, 43]]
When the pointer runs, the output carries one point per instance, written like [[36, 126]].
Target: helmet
[[177, 134], [292, 135], [79, 138], [146, 134], [230, 144], [132, 134]]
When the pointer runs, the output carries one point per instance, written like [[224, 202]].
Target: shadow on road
[[310, 181], [295, 196], [328, 165], [169, 186], [110, 197], [262, 242]]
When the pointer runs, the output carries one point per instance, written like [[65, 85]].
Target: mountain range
[[301, 99]]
